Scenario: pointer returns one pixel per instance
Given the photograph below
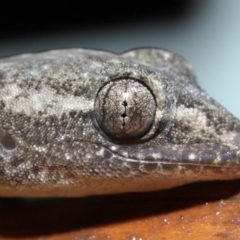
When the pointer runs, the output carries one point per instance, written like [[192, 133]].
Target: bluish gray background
[[209, 37]]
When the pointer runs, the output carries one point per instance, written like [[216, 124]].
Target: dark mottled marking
[[24, 175], [2, 105], [217, 147], [210, 116], [77, 93], [35, 170], [238, 155], [73, 113], [107, 154], [208, 157], [150, 167], [227, 156], [115, 160], [6, 140], [230, 127], [125, 169], [216, 170], [1, 78], [193, 168], [57, 177], [149, 157], [133, 165], [2, 171], [38, 123], [237, 128], [168, 168], [221, 120], [17, 161]]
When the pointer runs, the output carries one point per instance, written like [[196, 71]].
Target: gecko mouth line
[[222, 164]]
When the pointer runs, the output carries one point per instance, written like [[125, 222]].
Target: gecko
[[79, 122]]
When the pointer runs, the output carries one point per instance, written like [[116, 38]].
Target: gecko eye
[[125, 109], [6, 140]]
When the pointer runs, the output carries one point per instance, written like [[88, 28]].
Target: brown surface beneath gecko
[[209, 210]]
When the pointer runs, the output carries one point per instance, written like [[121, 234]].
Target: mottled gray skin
[[57, 147]]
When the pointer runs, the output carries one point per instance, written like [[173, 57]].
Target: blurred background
[[205, 32]]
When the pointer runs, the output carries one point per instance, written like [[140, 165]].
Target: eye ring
[[126, 111]]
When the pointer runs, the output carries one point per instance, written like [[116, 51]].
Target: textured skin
[[57, 148]]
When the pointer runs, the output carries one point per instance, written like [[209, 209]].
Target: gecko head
[[71, 113]]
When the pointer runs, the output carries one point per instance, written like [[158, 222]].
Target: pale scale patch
[[100, 153], [231, 137], [156, 156], [195, 118], [197, 121], [192, 156], [193, 90], [125, 154], [141, 156], [114, 148], [39, 148], [166, 55], [43, 100], [9, 92]]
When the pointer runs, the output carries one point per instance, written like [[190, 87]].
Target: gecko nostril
[[6, 140]]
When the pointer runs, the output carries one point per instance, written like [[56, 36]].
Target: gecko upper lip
[[6, 140]]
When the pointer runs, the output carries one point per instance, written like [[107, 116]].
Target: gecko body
[[82, 122]]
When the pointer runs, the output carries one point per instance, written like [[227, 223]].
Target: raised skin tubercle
[[81, 122]]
